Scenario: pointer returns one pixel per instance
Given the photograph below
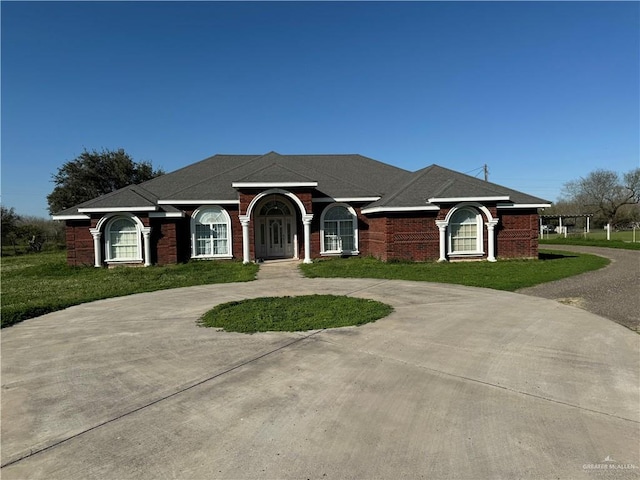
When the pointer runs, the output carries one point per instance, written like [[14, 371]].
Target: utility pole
[[486, 172]]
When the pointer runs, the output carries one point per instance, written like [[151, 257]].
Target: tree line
[[24, 233]]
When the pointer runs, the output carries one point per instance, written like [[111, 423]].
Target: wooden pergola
[[563, 229]]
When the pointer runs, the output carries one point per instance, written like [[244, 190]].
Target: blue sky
[[541, 92]]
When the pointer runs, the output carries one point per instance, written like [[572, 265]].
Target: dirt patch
[[573, 301]]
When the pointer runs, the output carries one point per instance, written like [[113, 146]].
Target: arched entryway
[[276, 234], [279, 227]]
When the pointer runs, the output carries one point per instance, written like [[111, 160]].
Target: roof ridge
[[279, 165], [473, 181], [135, 187], [333, 177], [210, 177], [445, 185], [208, 159], [104, 195], [413, 179], [469, 180]]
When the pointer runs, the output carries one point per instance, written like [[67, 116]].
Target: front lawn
[[291, 314], [622, 240], [508, 275], [40, 283]]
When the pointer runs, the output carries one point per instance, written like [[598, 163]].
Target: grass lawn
[[36, 284], [40, 283], [502, 275], [289, 314], [596, 238]]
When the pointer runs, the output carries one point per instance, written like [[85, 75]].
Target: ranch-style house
[[261, 207]]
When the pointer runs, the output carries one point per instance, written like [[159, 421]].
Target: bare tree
[[606, 194]]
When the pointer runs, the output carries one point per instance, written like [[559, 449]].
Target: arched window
[[123, 240], [339, 230], [275, 207], [210, 231], [465, 232]]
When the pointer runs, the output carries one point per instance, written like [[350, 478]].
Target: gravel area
[[611, 292]]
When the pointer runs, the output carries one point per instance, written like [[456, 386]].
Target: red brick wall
[[79, 242], [517, 234], [377, 240], [410, 236], [413, 236], [164, 241]]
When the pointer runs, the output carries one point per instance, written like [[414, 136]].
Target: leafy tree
[[95, 173], [9, 220], [9, 226], [606, 194]]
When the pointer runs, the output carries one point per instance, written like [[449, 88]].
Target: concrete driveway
[[458, 383]]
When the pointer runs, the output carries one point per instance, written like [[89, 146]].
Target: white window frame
[[479, 244], [194, 223], [108, 253], [354, 219]]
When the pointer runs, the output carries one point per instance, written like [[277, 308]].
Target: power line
[[483, 169]]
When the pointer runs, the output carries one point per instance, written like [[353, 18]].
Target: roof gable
[[133, 197], [435, 184]]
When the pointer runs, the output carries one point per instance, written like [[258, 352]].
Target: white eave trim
[[344, 199], [273, 184], [467, 199], [198, 202], [70, 217], [117, 209], [525, 205], [166, 215], [425, 208]]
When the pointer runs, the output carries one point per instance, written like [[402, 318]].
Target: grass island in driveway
[[292, 314]]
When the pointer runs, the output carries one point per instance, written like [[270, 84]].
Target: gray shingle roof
[[440, 183], [337, 176]]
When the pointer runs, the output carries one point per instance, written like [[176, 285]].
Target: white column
[[244, 220], [587, 224], [541, 230], [306, 222], [491, 254], [97, 248], [146, 234], [442, 225]]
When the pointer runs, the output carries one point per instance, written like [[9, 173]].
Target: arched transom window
[[339, 230], [275, 207], [210, 232], [465, 232], [122, 240]]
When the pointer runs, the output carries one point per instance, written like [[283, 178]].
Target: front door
[[275, 230], [275, 244]]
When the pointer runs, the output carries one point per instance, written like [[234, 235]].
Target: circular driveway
[[458, 382]]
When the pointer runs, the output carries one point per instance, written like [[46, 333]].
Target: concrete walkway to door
[[457, 383]]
